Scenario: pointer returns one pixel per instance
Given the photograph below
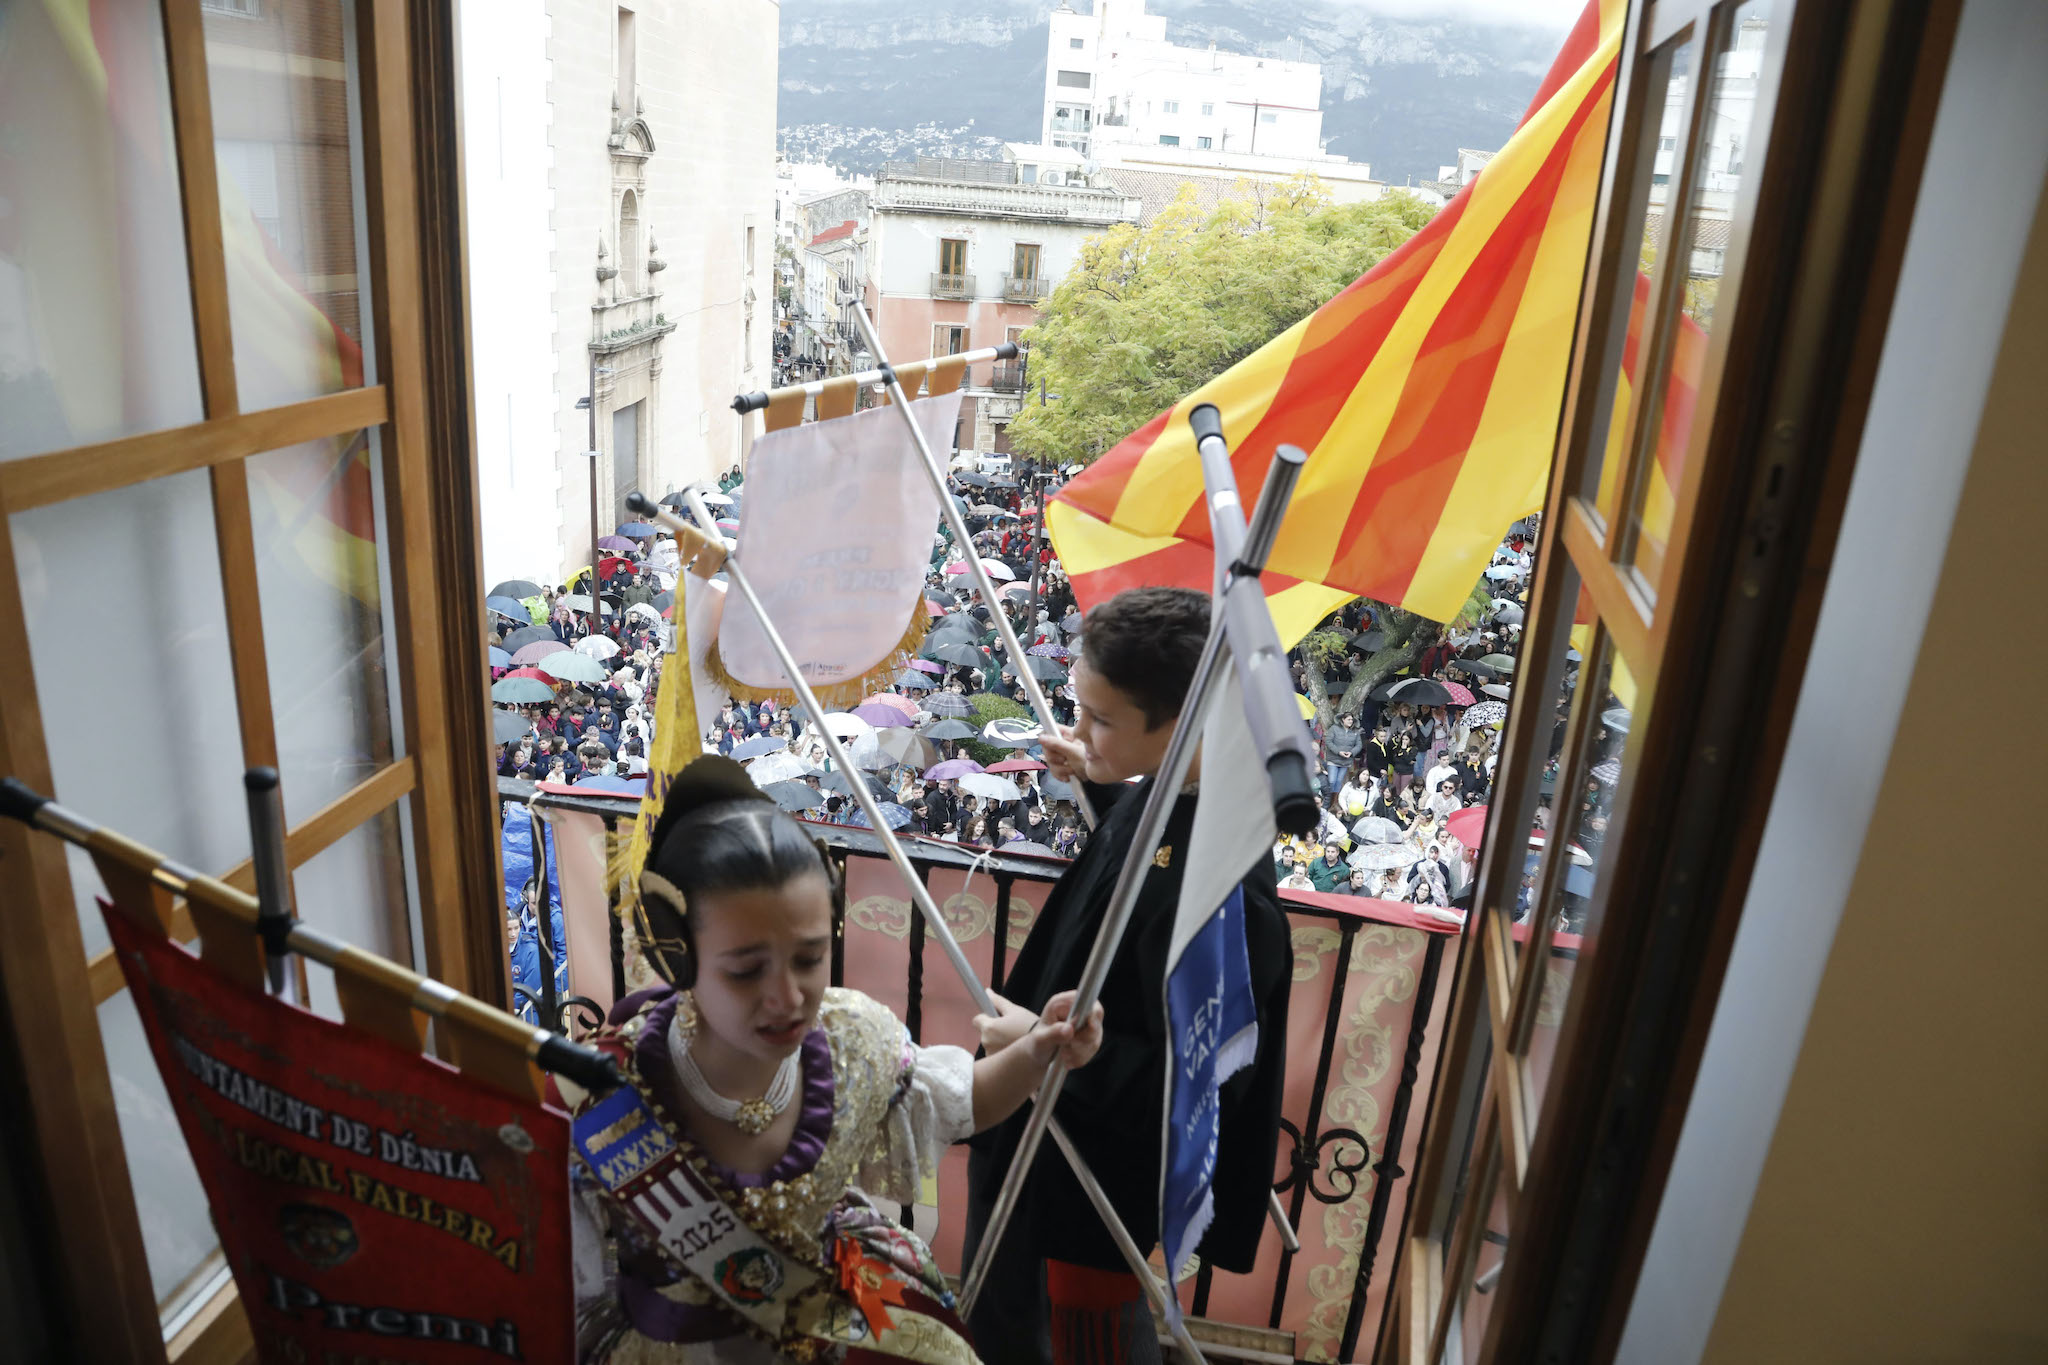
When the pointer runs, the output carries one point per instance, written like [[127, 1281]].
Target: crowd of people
[[1393, 766]]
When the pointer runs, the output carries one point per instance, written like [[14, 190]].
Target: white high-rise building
[[620, 186]]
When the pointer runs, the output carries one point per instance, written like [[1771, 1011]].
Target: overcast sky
[[1549, 14]]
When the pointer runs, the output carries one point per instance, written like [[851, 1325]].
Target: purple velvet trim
[[814, 1118]]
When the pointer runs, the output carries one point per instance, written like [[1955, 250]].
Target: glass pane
[[317, 512], [1477, 1289], [357, 891], [177, 1229], [285, 126], [1586, 814], [129, 650], [1668, 76], [1725, 159], [1546, 816], [95, 309]]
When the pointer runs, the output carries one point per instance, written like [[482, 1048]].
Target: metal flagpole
[[1246, 550], [1005, 632], [935, 923]]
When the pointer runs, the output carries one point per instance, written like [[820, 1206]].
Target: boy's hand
[[1063, 757], [1056, 1033]]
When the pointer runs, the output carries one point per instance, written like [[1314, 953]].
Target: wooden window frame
[[1734, 602], [418, 307], [946, 245]]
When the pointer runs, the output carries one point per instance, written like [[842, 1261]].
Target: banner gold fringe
[[835, 696]]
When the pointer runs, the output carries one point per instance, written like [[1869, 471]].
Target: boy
[[1057, 1271]]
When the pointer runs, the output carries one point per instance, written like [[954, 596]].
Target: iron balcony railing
[[945, 286], [1025, 288], [1007, 378]]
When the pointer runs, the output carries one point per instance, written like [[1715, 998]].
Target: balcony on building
[[1025, 289], [1007, 377], [950, 286]]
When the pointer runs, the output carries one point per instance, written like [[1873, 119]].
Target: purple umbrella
[[927, 666], [535, 652], [619, 543], [880, 716], [952, 767]]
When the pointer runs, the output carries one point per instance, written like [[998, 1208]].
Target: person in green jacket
[[1328, 871]]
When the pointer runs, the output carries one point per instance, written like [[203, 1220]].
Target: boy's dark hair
[[1145, 642]]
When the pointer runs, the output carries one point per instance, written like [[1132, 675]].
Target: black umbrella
[[663, 601], [794, 795], [519, 639], [515, 588], [953, 652], [1420, 692], [675, 500], [948, 704], [1054, 789], [951, 728], [1477, 668], [973, 480], [837, 782], [1370, 640], [939, 597], [508, 726], [1071, 622], [757, 746], [1385, 686], [1045, 669], [955, 628]]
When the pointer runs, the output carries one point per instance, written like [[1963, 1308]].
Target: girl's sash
[[652, 1174]]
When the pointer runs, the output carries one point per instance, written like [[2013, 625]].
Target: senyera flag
[[1427, 392]]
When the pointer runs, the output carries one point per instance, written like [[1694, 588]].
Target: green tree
[[1150, 314], [1406, 637], [987, 707]]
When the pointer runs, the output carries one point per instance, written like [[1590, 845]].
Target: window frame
[[416, 305]]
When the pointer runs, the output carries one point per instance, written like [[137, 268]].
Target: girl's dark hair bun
[[703, 782]]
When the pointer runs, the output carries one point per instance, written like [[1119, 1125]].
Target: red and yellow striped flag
[[1427, 393]]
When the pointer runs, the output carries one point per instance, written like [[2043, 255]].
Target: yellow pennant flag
[[677, 740]]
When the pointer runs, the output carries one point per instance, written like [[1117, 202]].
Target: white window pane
[[177, 1230], [128, 645], [358, 891], [287, 130], [321, 576], [95, 308]]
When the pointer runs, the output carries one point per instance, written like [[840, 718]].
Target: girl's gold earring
[[686, 1016]]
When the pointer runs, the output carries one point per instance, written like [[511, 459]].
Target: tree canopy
[[1150, 314]]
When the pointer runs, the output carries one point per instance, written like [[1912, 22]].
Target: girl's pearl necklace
[[751, 1117]]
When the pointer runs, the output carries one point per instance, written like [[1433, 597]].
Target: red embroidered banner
[[371, 1202]]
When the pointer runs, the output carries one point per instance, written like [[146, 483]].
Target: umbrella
[[1475, 667], [1015, 588], [950, 729], [515, 588], [939, 597], [728, 524], [533, 673], [510, 607], [1500, 663], [997, 569], [957, 568], [1486, 713], [907, 746], [1027, 846], [1616, 719], [1466, 825], [1510, 614], [1496, 690], [1055, 790], [926, 666], [1460, 695], [1377, 829], [664, 599], [1045, 669], [1011, 734], [966, 655], [1578, 881], [1305, 706], [604, 782], [1422, 692], [499, 658], [893, 815], [1016, 765], [518, 690], [714, 498], [934, 609], [1071, 622], [1500, 573], [612, 564], [1048, 651], [972, 479], [880, 716], [1378, 857], [538, 650], [1573, 656], [653, 613], [989, 509], [794, 795], [569, 666], [1384, 690], [841, 783], [508, 726], [952, 767], [1607, 771], [903, 704], [613, 543], [1370, 640], [577, 601], [597, 646], [778, 767], [994, 788], [913, 679], [756, 747], [638, 530], [849, 727], [952, 706]]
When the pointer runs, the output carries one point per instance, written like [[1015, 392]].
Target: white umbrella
[[989, 785], [1377, 829], [782, 767], [597, 646], [997, 569], [714, 498], [849, 727], [652, 612], [1378, 857]]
